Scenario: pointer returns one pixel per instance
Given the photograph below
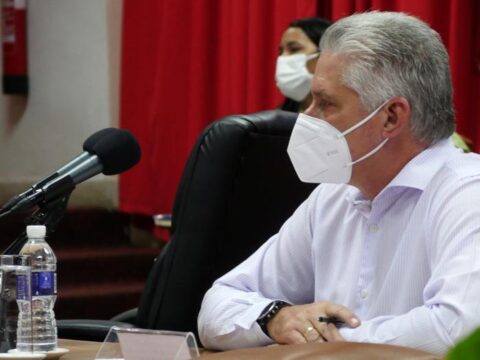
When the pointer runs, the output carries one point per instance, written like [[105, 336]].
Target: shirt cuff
[[249, 322]]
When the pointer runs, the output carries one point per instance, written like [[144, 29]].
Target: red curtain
[[184, 65], [187, 63]]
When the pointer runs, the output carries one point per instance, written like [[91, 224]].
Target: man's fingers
[[328, 332], [331, 334], [311, 334], [294, 337], [342, 313], [320, 327]]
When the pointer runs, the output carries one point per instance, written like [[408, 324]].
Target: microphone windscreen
[[95, 137], [118, 152]]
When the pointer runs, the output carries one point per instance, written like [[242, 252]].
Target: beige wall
[[73, 48]]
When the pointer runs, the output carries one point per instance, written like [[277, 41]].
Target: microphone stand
[[49, 213]]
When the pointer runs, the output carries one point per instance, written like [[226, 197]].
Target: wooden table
[[79, 350], [86, 350]]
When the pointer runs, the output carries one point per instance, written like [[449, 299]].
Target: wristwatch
[[269, 312]]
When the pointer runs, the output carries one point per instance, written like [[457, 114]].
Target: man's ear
[[398, 117]]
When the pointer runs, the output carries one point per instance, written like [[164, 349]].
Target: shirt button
[[364, 294], [373, 228]]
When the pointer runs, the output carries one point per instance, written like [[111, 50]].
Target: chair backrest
[[237, 188]]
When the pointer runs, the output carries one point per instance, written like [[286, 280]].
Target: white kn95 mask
[[320, 153], [292, 76]]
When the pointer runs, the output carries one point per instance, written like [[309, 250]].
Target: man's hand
[[299, 323]]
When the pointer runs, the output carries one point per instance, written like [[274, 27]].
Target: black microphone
[[88, 146], [112, 154], [95, 137]]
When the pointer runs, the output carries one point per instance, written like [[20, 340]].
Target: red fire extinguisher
[[14, 45]]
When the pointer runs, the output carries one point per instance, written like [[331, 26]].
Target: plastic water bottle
[[44, 292]]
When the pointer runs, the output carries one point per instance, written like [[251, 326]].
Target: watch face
[[268, 309]]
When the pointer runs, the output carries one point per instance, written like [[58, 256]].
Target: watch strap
[[269, 312]]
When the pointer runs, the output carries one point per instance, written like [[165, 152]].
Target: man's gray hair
[[394, 54]]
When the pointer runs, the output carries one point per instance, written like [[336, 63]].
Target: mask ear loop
[[368, 154], [357, 125]]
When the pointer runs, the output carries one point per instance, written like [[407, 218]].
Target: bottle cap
[[36, 231]]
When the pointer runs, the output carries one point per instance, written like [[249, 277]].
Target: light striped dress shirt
[[407, 263]]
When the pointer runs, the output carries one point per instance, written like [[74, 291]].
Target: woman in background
[[297, 56]]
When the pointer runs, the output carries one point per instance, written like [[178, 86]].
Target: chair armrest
[[87, 329], [129, 316]]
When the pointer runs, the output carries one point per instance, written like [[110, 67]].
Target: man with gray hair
[[386, 249]]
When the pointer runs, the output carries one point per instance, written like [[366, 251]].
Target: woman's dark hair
[[314, 28]]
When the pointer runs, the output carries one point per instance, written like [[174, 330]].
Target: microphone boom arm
[[49, 213]]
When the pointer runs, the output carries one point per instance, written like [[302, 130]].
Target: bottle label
[[44, 283], [22, 289]]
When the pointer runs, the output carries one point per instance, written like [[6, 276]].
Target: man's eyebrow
[[321, 93]]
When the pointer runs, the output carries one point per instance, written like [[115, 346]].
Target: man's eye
[[324, 104]]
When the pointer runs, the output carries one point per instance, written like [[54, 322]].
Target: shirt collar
[[422, 168], [416, 174]]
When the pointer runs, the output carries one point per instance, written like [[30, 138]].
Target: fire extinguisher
[[14, 45]]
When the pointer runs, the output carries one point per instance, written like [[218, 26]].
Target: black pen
[[331, 320]]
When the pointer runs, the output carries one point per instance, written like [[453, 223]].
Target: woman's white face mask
[[320, 153], [292, 76]]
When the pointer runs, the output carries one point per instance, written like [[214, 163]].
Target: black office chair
[[237, 188]]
